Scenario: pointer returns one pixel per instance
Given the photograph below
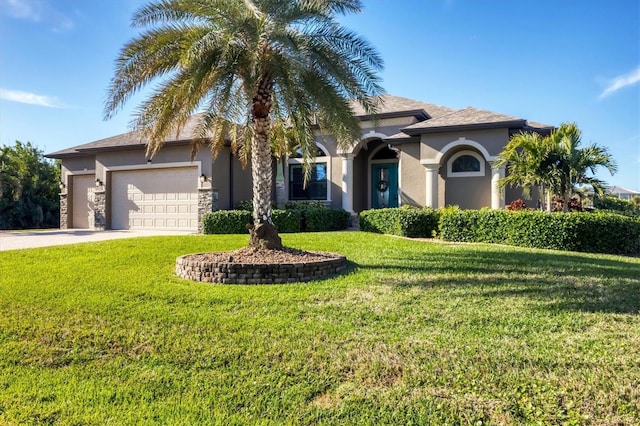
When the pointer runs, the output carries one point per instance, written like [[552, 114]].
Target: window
[[317, 187], [465, 164]]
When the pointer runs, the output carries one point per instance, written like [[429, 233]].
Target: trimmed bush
[[314, 220], [324, 219], [226, 222], [615, 204], [287, 220], [586, 232], [404, 221], [248, 205], [305, 205]]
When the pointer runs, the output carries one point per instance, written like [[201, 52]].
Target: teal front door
[[384, 185]]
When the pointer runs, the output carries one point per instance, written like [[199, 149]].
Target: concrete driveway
[[15, 240]]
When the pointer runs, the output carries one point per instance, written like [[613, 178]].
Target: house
[[410, 153], [623, 193]]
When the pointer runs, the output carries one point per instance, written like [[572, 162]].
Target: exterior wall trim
[[474, 154], [462, 141], [148, 166]]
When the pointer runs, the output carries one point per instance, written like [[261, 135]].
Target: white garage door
[[82, 201], [155, 199]]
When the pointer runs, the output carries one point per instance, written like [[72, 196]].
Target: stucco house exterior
[[410, 153]]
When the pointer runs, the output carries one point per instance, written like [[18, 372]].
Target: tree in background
[[555, 163], [526, 158], [248, 64], [28, 188], [573, 165]]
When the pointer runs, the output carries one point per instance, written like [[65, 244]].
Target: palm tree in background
[[554, 163], [573, 164], [234, 60], [526, 159]]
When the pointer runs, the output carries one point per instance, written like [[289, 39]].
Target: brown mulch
[[264, 256]]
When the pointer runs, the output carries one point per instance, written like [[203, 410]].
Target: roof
[[465, 118], [621, 190], [127, 140], [431, 118], [391, 105]]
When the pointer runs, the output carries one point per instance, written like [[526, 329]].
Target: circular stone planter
[[195, 267]]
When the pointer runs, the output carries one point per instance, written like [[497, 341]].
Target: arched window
[[317, 187], [465, 164]]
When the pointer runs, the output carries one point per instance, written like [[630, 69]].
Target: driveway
[[14, 240]]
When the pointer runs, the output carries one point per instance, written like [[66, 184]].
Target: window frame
[[454, 157], [326, 159]]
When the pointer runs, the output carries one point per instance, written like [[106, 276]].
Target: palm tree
[[524, 157], [555, 162], [572, 163], [234, 60]]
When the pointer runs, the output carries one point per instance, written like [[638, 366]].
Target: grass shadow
[[559, 281]]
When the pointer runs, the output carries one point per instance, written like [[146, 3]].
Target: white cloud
[[620, 82], [38, 11], [30, 98]]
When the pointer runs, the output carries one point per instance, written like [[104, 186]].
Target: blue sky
[[549, 61]]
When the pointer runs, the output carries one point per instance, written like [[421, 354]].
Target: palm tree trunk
[[263, 232]]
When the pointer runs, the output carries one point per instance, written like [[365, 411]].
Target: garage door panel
[[155, 199]]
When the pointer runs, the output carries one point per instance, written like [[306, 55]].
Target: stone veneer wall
[[100, 209], [207, 202], [64, 214], [249, 273]]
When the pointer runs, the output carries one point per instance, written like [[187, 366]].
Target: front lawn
[[416, 332]]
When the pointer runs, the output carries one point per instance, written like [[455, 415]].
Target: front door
[[384, 185]]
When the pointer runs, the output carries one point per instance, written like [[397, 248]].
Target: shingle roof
[[432, 118], [390, 104], [127, 140], [467, 117]]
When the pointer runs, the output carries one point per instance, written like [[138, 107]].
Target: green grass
[[415, 332]]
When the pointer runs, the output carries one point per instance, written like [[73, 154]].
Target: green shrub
[[403, 221], [287, 220], [305, 205], [615, 204], [248, 205], [586, 232], [324, 219], [226, 222], [314, 220]]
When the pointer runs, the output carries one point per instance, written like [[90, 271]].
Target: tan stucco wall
[[412, 175], [136, 158], [467, 192], [493, 140], [77, 165]]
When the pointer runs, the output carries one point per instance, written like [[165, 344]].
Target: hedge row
[[286, 221], [404, 221], [585, 232]]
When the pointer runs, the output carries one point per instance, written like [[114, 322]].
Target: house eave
[[128, 147], [457, 127], [419, 114]]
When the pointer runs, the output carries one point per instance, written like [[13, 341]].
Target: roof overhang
[[458, 127], [419, 114]]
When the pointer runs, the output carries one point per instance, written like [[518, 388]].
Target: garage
[[163, 198], [82, 201]]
